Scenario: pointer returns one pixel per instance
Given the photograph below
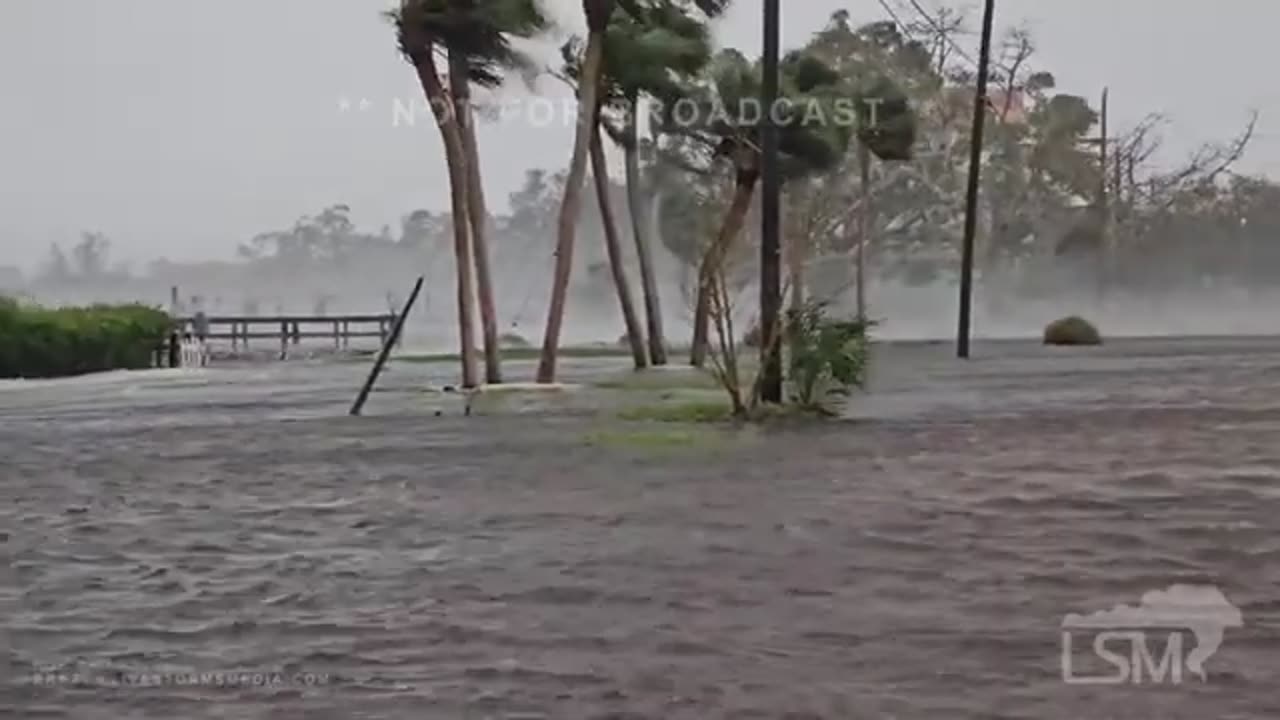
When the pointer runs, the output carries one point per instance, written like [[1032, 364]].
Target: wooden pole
[[971, 196], [386, 350], [175, 348]]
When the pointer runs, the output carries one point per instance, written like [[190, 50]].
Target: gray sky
[[182, 128]]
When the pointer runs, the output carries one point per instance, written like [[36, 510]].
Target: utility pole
[[770, 216], [971, 196], [1104, 203], [864, 229]]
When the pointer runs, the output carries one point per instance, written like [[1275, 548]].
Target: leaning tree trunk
[[796, 238], [643, 236], [864, 165], [478, 217], [735, 218], [571, 205], [455, 158], [796, 271], [600, 172]]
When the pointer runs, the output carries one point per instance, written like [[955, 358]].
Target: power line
[[894, 16], [943, 33]]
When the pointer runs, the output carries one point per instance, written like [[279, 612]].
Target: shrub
[[828, 358], [38, 342], [1072, 330]]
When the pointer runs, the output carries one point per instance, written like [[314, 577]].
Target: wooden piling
[[386, 349], [175, 348]]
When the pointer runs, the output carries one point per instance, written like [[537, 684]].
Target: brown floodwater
[[167, 530]]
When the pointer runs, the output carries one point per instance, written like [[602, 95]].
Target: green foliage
[[657, 439], [886, 122], [480, 33], [828, 357], [1073, 330], [39, 342]]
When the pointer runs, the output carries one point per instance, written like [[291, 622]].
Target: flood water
[[166, 530]]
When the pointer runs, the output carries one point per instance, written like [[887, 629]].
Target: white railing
[[194, 353]]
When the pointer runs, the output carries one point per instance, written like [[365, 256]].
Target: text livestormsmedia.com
[[546, 112], [223, 679]]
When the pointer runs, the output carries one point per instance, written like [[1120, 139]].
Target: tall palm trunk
[[796, 238], [796, 279], [600, 172], [713, 260], [641, 229], [455, 157], [477, 215], [864, 218], [571, 205]]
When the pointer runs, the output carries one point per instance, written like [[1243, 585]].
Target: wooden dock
[[286, 330]]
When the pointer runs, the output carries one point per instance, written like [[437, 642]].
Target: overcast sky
[[181, 128]]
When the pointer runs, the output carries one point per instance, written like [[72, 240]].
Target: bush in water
[[829, 357], [37, 342], [1072, 330]]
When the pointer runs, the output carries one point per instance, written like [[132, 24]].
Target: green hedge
[[37, 342]]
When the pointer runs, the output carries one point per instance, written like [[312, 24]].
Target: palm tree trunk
[[478, 217], [796, 237], [643, 235], [600, 172], [797, 285], [455, 158], [571, 205], [713, 260], [864, 164]]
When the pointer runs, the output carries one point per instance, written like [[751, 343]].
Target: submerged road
[[225, 543]]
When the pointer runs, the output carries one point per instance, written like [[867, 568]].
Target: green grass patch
[[668, 378], [661, 438], [521, 353], [690, 411]]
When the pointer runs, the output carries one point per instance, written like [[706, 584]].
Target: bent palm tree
[[478, 36], [600, 173], [652, 55], [598, 15], [417, 31]]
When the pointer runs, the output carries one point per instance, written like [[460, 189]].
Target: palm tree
[[600, 172], [649, 53], [419, 26], [480, 51], [652, 55], [598, 15], [571, 52], [477, 34]]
